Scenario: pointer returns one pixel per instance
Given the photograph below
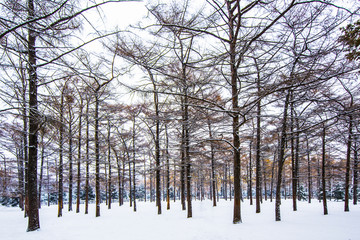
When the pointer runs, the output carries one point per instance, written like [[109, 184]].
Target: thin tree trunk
[[281, 159], [356, 172], [323, 173], [264, 178], [61, 166], [87, 174], [309, 170], [182, 164], [70, 162], [33, 211], [130, 180], [133, 162], [250, 173], [109, 163], [145, 180], [235, 118], [79, 159], [297, 159], [258, 143], [97, 156], [167, 169], [41, 167], [348, 160], [272, 176], [20, 162]]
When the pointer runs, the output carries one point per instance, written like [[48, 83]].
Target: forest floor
[[208, 223]]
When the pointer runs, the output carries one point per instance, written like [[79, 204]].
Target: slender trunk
[[293, 168], [24, 154], [309, 170], [225, 181], [348, 160], [323, 173], [79, 159], [167, 169], [151, 179], [123, 180], [297, 159], [235, 108], [70, 162], [118, 175], [20, 162], [174, 178], [61, 150], [87, 174], [187, 156], [145, 180], [109, 163], [258, 144], [356, 172], [97, 156], [133, 162], [41, 167], [182, 164], [250, 173], [281, 159], [264, 178], [130, 181], [48, 182], [33, 211]]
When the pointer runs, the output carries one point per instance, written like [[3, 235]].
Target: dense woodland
[[216, 99]]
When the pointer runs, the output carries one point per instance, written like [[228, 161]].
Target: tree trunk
[[182, 165], [79, 159], [309, 170], [87, 175], [20, 163], [293, 179], [61, 150], [97, 156], [70, 162], [33, 211], [323, 173], [258, 144], [356, 172], [235, 114], [167, 169], [133, 169], [348, 160], [41, 167], [281, 159], [109, 163]]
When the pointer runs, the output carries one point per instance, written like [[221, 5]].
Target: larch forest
[[199, 100]]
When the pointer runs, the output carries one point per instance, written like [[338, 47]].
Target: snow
[[208, 223]]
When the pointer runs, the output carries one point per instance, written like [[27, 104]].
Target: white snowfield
[[208, 223]]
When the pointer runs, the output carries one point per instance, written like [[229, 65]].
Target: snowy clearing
[[208, 223]]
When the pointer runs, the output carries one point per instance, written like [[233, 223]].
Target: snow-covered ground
[[207, 223]]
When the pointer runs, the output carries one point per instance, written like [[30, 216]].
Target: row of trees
[[195, 101]]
